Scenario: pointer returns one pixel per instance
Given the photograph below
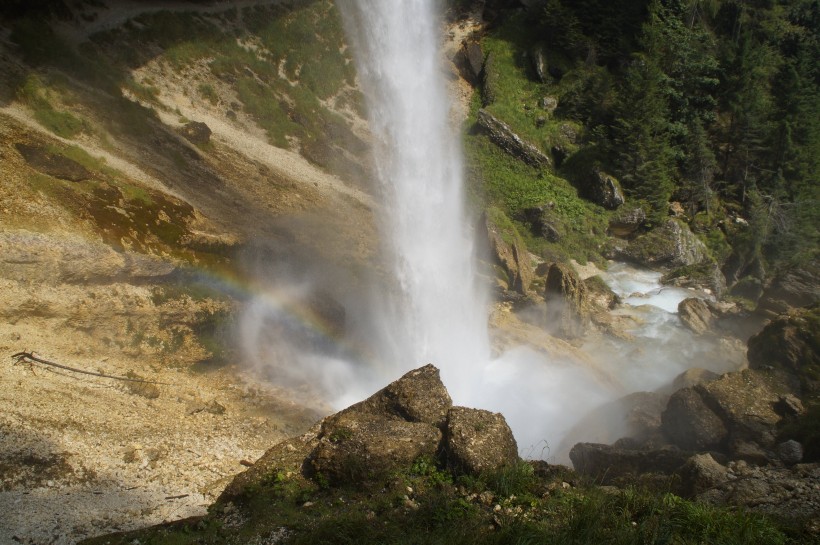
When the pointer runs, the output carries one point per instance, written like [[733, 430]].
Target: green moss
[[36, 95]]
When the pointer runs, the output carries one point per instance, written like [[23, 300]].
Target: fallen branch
[[30, 357]]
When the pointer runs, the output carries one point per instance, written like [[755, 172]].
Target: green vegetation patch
[[520, 504], [38, 97]]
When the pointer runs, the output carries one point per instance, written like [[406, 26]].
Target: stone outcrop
[[544, 222], [690, 424], [409, 419], [504, 137], [58, 166], [471, 58], [671, 245], [701, 473], [565, 296], [790, 344], [508, 252], [793, 288], [705, 275], [479, 441]]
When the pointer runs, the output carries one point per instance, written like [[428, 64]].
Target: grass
[[37, 96], [427, 505]]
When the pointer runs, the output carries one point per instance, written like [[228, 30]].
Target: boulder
[[473, 57], [745, 401], [793, 288], [701, 473], [478, 441], [504, 137], [418, 396], [791, 345], [539, 64], [543, 222], [671, 245], [548, 103], [599, 294], [613, 465], [627, 221], [696, 315], [490, 81], [705, 275], [354, 446], [59, 166], [196, 132], [690, 424], [790, 452], [693, 376], [566, 299], [602, 189]]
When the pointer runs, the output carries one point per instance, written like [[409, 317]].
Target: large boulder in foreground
[[409, 419], [691, 424]]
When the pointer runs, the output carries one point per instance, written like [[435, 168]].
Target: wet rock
[[196, 132], [58, 166], [672, 245], [690, 424], [613, 465], [627, 221], [355, 446], [479, 441], [504, 137], [565, 296], [599, 294], [509, 252], [695, 314]]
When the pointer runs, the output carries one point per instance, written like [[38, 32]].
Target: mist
[[429, 305]]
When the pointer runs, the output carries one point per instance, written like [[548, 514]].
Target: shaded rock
[[543, 222], [53, 164], [790, 344], [196, 132], [548, 103], [418, 396], [671, 244], [490, 83], [565, 296], [790, 452], [355, 446], [479, 441], [473, 57], [508, 251], [749, 451], [695, 314], [794, 287], [701, 473], [745, 402], [602, 189], [504, 137], [627, 221], [792, 493], [539, 64], [613, 465], [690, 424], [789, 405]]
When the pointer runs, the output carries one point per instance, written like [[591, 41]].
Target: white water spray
[[437, 313]]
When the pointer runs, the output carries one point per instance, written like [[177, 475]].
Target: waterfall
[[436, 313]]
